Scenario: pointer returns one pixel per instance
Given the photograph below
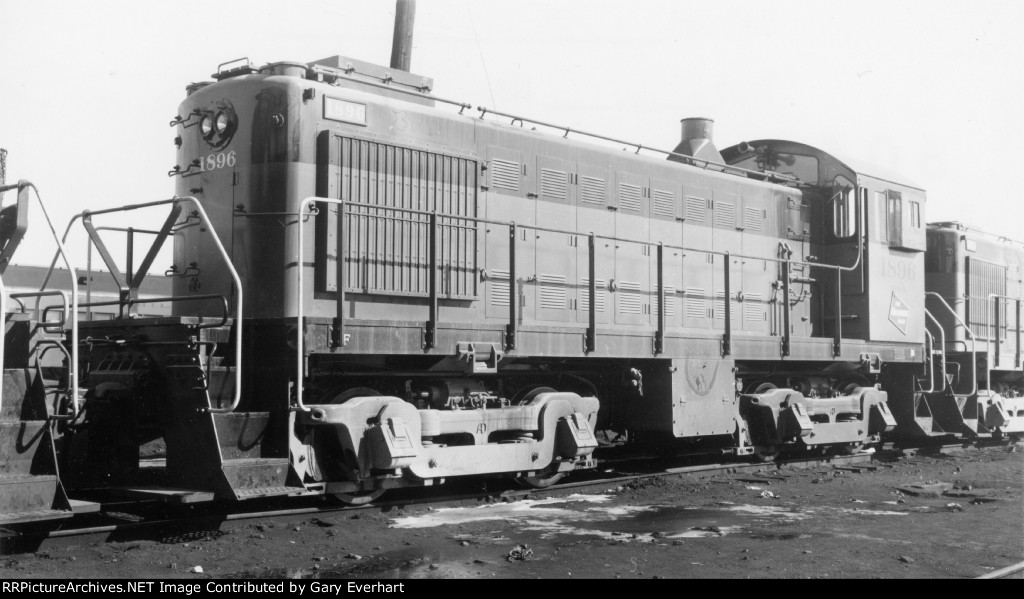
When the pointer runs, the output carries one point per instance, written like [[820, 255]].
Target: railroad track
[[1010, 571], [133, 521]]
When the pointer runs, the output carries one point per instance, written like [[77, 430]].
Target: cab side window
[[844, 208], [895, 217], [881, 223]]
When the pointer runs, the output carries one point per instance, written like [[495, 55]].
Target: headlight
[[206, 125], [221, 122]]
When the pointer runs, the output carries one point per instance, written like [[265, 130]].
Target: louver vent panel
[[630, 301], [725, 214], [593, 190], [630, 197], [499, 288], [554, 183], [552, 292], [696, 208], [696, 302], [664, 203], [599, 291], [753, 219], [505, 174]]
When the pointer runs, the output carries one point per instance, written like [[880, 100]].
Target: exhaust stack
[[401, 44], [697, 141]]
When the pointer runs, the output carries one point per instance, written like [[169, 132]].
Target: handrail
[[930, 343], [3, 342], [128, 259], [65, 304], [311, 201], [767, 176], [942, 341], [974, 349], [300, 265], [61, 253], [175, 202], [224, 317], [487, 221]]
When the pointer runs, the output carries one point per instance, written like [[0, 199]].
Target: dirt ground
[[819, 522]]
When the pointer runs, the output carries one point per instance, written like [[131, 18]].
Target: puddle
[[575, 515], [624, 523]]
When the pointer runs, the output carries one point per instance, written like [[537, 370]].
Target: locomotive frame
[[483, 299]]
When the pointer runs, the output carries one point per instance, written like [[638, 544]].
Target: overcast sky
[[929, 89]]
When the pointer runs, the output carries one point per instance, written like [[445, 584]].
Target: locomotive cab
[[865, 221]]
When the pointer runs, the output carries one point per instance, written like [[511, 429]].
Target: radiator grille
[[386, 250]]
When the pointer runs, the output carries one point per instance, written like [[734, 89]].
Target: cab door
[[842, 206]]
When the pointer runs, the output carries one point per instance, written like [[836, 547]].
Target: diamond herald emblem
[[899, 313]]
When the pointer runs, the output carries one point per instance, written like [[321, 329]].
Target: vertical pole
[[837, 340], [430, 341], [785, 308], [726, 301], [591, 338], [513, 291], [339, 253], [130, 259], [3, 170], [967, 293], [998, 324], [401, 43], [1016, 359], [659, 336], [126, 294], [88, 280]]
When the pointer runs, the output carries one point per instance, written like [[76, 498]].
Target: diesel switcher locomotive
[[375, 287]]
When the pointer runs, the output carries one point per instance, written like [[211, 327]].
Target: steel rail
[[1002, 572], [727, 468]]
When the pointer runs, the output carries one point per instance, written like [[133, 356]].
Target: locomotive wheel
[[527, 394], [542, 480], [361, 498], [766, 453], [849, 385], [339, 397], [853, 448]]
